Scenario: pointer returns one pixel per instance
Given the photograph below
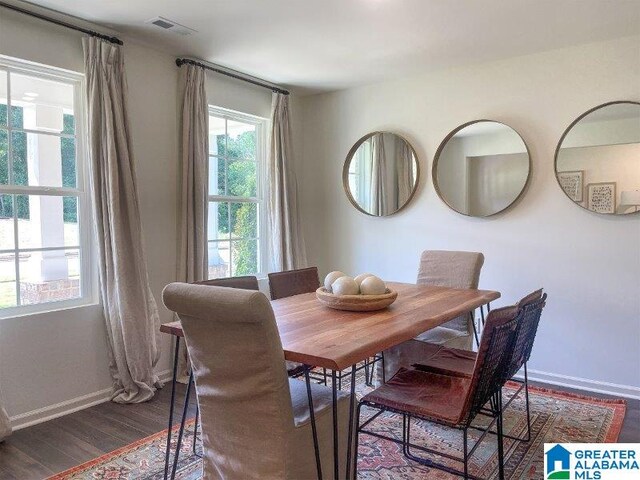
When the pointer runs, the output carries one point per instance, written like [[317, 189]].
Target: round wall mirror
[[481, 168], [598, 159], [380, 174]]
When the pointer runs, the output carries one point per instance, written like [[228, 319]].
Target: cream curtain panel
[[380, 197], [404, 171], [192, 254], [5, 424], [192, 265], [287, 247], [129, 307]]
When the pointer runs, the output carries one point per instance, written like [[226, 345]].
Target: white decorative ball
[[361, 277], [332, 277], [372, 286], [345, 286]]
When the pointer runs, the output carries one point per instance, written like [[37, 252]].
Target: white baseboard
[[614, 389], [50, 412]]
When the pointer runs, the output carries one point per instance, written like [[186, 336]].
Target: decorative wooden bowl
[[356, 303]]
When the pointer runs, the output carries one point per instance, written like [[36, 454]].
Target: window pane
[[7, 280], [217, 136], [47, 221], [49, 276], [4, 156], [245, 257], [43, 103], [218, 221], [43, 160], [241, 140], [242, 179], [244, 220], [216, 176], [219, 259], [3, 98], [7, 240]]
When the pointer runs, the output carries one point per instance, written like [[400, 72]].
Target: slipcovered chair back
[[241, 381], [452, 269], [248, 282]]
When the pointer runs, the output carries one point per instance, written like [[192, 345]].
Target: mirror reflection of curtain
[[404, 172], [379, 197]]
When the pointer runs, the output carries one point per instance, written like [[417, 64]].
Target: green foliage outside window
[[20, 167], [241, 180]]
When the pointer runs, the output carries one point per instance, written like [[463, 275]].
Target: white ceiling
[[317, 45]]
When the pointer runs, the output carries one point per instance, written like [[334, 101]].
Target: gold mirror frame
[[345, 173], [566, 132], [434, 168]]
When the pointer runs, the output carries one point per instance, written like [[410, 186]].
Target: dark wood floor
[[42, 450]]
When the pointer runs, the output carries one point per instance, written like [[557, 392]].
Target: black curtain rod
[[182, 61], [61, 23]]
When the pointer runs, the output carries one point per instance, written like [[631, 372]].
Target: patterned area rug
[[556, 417]]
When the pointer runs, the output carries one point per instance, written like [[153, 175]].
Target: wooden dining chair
[[456, 362], [441, 269], [293, 282], [256, 423], [451, 401]]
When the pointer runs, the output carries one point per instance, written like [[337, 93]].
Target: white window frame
[[88, 272], [262, 128]]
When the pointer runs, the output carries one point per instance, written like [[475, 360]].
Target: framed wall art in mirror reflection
[[601, 197], [573, 184]]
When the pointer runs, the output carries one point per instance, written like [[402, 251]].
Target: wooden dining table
[[318, 336]]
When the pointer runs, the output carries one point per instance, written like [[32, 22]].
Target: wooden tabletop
[[317, 335]]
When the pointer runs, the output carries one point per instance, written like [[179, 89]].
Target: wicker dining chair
[[290, 283], [451, 361], [451, 401]]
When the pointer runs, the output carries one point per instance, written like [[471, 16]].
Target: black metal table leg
[[351, 408], [173, 397], [312, 417], [336, 454], [181, 431]]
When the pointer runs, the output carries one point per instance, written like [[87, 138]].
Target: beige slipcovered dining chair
[[439, 268], [255, 420]]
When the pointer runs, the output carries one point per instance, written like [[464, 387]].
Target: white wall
[[589, 264], [50, 363]]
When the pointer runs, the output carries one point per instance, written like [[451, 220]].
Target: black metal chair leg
[[355, 446], [464, 452], [366, 372], [384, 376], [475, 330], [526, 400], [500, 437], [324, 373], [181, 431], [173, 398], [312, 417], [195, 428]]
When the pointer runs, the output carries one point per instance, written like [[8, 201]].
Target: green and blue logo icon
[[558, 463]]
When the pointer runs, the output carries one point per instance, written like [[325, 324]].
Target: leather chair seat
[[449, 361], [424, 394]]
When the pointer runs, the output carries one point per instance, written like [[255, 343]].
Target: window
[[44, 209], [236, 185]]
